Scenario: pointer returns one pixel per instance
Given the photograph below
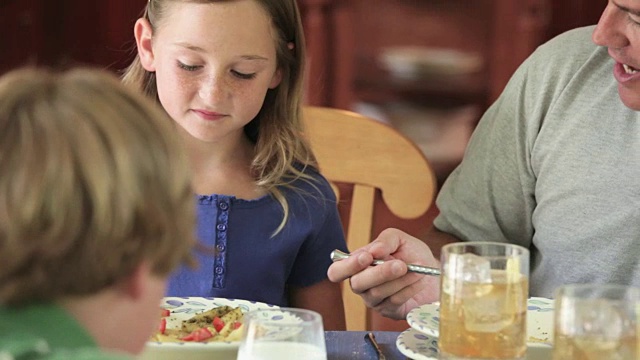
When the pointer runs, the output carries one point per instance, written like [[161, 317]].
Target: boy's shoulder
[[36, 353], [42, 332]]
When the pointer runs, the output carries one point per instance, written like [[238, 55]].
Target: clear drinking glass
[[483, 301], [282, 334], [596, 321]]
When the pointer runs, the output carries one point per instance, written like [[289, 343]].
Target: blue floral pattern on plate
[[416, 345], [425, 319], [278, 324]]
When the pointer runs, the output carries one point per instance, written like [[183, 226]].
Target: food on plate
[[537, 340], [223, 323]]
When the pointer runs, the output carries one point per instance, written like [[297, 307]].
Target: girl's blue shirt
[[246, 261]]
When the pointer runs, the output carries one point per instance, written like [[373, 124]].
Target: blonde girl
[[229, 73]]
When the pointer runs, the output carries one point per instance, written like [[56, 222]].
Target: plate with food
[[199, 328]]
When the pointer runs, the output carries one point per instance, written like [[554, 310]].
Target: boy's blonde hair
[[282, 153], [92, 184]]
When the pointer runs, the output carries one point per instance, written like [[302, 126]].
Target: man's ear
[[144, 34], [276, 79]]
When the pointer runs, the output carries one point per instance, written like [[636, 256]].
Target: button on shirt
[[245, 261]]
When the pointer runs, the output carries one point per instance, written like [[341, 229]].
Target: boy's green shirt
[[38, 332]]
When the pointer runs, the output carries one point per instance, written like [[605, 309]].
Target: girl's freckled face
[[214, 63]]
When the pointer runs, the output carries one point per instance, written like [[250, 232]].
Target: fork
[[337, 255]]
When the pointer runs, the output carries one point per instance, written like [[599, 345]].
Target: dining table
[[351, 345]]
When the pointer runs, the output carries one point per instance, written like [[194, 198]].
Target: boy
[[95, 212]]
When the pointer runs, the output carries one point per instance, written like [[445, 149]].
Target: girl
[[229, 73]]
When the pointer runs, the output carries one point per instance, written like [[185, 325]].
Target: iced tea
[[596, 321], [483, 301], [595, 348], [484, 320]]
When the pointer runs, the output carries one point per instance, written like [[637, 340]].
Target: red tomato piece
[[163, 326], [198, 335], [218, 324]]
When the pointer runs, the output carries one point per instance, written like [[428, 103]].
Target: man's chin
[[630, 99]]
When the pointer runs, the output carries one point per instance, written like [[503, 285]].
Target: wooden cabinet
[[22, 24], [345, 39], [67, 33]]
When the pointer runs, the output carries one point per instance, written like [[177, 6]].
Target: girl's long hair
[[281, 152]]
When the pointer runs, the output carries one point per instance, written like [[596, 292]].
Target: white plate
[[183, 308], [418, 346], [425, 319]]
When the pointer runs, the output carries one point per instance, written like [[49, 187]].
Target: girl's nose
[[610, 31], [212, 88]]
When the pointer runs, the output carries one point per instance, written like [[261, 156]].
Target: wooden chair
[[370, 155]]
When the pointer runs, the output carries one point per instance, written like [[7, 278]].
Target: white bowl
[[183, 308], [417, 61]]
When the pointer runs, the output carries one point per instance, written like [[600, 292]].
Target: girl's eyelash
[[243, 75], [188, 67], [237, 74]]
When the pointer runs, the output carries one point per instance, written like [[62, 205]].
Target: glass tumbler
[[483, 301], [282, 334], [596, 321]]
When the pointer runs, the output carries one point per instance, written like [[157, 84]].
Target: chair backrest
[[354, 149]]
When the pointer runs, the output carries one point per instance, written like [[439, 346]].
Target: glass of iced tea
[[483, 301], [596, 321]]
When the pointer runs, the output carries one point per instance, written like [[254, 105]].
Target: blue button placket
[[220, 264]]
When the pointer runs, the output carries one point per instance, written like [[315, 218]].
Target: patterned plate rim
[[402, 340]]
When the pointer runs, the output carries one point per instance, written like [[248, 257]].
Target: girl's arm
[[325, 298]]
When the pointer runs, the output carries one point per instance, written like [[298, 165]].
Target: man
[[552, 166]]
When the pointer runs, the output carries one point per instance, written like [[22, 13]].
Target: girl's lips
[[207, 115], [622, 76]]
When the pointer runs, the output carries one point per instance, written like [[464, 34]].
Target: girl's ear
[[276, 79], [143, 34]]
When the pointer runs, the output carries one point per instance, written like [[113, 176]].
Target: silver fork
[[337, 255]]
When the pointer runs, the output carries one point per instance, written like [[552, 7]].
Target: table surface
[[350, 345]]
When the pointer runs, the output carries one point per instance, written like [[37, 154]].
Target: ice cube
[[490, 313], [601, 317], [467, 276], [469, 268]]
